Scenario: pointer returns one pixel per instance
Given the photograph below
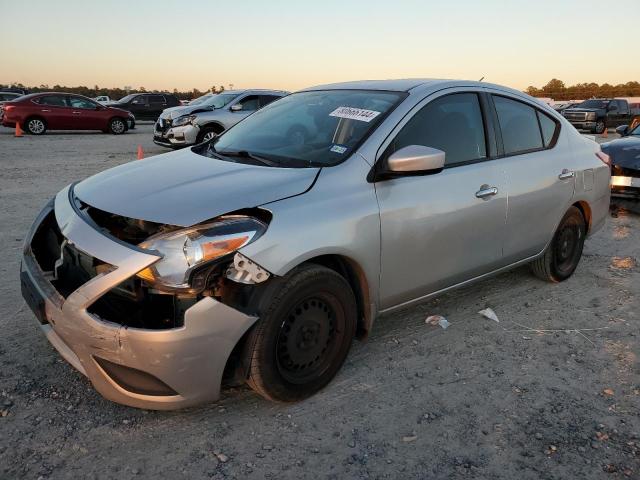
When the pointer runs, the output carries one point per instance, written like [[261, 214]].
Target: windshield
[[593, 104], [319, 128], [127, 98]]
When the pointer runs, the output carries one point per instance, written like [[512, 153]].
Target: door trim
[[431, 295]]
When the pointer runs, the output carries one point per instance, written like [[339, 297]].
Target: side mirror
[[236, 107], [622, 130], [416, 159]]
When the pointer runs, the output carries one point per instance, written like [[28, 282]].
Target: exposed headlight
[[184, 120], [185, 250], [591, 115]]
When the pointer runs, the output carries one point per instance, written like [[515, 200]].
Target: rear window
[[548, 126], [519, 126]]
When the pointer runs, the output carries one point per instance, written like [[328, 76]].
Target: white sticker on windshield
[[338, 149], [355, 113]]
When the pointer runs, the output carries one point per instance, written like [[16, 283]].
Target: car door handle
[[566, 174], [486, 191], [76, 113], [45, 110]]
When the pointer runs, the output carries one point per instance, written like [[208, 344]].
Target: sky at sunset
[[292, 44]]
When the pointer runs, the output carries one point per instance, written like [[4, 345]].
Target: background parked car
[[8, 96], [103, 99], [209, 115], [599, 113], [625, 162], [146, 106], [39, 112]]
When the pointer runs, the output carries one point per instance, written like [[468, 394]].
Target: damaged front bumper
[[147, 368]]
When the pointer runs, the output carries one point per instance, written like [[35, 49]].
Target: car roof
[[258, 90], [407, 85]]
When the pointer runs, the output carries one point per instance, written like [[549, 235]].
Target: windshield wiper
[[252, 156]]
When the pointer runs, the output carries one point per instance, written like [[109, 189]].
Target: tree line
[[557, 90], [113, 93]]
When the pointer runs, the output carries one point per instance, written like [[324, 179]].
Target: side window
[[78, 102], [53, 101], [548, 126], [157, 99], [623, 107], [519, 126], [267, 99], [140, 100], [452, 123], [249, 103]]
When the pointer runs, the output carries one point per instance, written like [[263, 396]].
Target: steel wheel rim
[[309, 338], [117, 126], [36, 126], [567, 247]]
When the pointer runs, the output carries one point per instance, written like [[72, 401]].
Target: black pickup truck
[[599, 113]]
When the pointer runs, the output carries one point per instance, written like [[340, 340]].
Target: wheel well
[[352, 273], [30, 117], [215, 126], [585, 209]]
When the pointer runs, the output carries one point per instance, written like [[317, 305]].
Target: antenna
[[481, 79]]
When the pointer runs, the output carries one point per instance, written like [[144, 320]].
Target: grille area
[[578, 116], [129, 303]]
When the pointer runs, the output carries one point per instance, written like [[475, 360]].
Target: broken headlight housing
[[185, 250], [183, 120]]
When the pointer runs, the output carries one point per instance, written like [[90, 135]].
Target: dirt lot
[[552, 391]]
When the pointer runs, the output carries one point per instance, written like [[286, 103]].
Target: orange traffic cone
[[140, 152], [19, 132]]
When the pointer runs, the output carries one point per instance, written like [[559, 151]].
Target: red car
[[38, 112]]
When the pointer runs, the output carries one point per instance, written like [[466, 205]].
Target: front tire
[[206, 134], [307, 323], [117, 126], [563, 254], [36, 126], [600, 127]]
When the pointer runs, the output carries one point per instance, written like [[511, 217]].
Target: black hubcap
[[307, 340]]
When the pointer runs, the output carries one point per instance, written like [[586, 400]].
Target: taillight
[[606, 159]]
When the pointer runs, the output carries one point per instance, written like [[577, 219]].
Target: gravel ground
[[552, 391]]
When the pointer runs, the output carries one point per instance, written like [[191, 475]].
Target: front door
[[85, 114], [442, 229]]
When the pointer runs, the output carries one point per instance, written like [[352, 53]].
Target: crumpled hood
[[175, 112], [624, 152], [184, 188]]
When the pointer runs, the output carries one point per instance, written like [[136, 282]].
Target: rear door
[[540, 174], [157, 103], [86, 114], [55, 111], [442, 229]]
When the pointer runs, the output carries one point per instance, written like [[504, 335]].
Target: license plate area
[[32, 296]]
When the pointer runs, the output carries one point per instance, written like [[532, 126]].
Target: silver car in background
[[259, 255], [209, 115]]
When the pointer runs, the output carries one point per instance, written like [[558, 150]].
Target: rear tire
[[307, 323], [35, 126], [117, 126], [563, 254]]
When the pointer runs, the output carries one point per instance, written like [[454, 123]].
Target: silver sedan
[[259, 256]]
